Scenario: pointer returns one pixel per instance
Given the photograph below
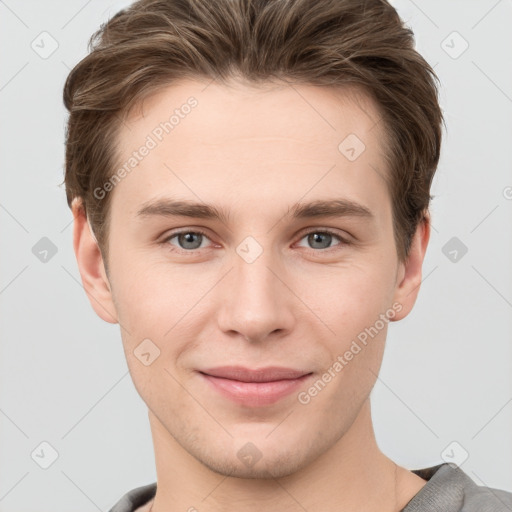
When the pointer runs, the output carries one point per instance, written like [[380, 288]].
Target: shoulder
[[135, 498], [486, 499], [450, 489]]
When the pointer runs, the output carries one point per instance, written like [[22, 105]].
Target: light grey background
[[446, 375]]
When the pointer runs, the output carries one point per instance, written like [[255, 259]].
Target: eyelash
[[343, 241]]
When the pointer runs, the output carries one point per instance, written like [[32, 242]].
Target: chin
[[261, 470]]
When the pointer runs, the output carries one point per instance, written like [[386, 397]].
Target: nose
[[256, 300]]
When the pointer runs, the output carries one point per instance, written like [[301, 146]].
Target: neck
[[352, 475]]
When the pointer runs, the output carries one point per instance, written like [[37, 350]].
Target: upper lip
[[268, 374]]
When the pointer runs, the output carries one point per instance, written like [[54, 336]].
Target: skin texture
[[255, 153]]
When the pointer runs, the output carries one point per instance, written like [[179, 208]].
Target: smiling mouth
[[254, 388]]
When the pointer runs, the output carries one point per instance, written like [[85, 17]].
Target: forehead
[[274, 140], [245, 110]]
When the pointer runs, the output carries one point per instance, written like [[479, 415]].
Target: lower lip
[[255, 394]]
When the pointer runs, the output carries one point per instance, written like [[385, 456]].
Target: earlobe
[[91, 266], [409, 274]]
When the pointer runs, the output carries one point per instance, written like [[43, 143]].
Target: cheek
[[158, 308], [355, 356], [348, 298], [356, 307], [150, 296]]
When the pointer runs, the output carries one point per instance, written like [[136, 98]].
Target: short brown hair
[[334, 43]]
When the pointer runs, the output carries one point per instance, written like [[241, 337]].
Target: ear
[[91, 267], [409, 273]]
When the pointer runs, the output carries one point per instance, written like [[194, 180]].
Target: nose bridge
[[255, 303], [253, 261], [252, 269]]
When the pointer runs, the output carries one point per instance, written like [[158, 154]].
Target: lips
[[254, 388], [268, 374]]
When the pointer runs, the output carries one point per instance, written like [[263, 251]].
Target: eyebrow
[[319, 208]]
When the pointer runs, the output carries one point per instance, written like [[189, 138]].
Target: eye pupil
[[189, 238], [317, 238]]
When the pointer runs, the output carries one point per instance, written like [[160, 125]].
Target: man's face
[[261, 287]]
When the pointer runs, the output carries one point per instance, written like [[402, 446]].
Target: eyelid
[[180, 231], [330, 231], [344, 240]]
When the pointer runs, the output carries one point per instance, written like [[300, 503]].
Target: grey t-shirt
[[448, 489]]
